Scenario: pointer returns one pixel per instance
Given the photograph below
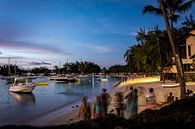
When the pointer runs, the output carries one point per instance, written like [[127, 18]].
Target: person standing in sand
[[151, 100], [118, 103], [98, 108], [84, 110], [170, 98], [129, 103], [135, 102], [106, 99]]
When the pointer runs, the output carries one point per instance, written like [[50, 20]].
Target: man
[[106, 98]]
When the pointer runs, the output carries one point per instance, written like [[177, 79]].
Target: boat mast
[[59, 68], [9, 71], [15, 68]]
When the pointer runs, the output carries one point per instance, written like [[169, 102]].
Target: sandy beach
[[142, 84]]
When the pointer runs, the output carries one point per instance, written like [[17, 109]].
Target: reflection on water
[[46, 98], [23, 99]]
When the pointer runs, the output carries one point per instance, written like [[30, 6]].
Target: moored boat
[[21, 87], [41, 83], [65, 79]]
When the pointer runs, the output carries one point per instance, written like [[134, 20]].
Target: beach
[[142, 84]]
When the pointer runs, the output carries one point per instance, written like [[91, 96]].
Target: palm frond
[[185, 6], [150, 8], [175, 18]]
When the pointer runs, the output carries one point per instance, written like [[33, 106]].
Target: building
[[186, 49]]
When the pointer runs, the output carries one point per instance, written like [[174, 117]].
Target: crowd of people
[[123, 104], [100, 107]]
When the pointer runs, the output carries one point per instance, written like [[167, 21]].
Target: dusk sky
[[99, 31]]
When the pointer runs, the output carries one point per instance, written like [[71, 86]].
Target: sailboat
[[21, 87]]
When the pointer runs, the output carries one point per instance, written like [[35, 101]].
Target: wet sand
[[59, 118]]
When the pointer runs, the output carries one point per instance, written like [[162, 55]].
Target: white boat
[[104, 79], [171, 85], [21, 87]]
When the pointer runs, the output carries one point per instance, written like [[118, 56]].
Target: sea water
[[17, 108]]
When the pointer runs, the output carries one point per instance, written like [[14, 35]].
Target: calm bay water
[[16, 108]]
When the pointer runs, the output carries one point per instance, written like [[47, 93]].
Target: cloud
[[102, 49], [96, 48], [11, 34], [34, 63], [39, 63], [11, 57], [46, 63]]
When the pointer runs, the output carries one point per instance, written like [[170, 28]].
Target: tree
[[40, 70], [168, 9], [145, 56], [189, 23], [172, 8], [85, 67]]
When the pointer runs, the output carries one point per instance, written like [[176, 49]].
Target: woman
[[98, 108], [84, 111], [129, 102]]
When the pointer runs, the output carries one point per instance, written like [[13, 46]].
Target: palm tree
[[189, 23], [172, 8], [168, 9], [175, 52]]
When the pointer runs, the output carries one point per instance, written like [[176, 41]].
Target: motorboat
[[43, 83], [65, 79], [21, 87], [104, 79]]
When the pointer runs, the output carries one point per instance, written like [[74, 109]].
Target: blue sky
[[68, 30]]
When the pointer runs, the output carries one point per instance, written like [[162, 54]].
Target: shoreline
[[58, 117], [45, 118], [72, 117]]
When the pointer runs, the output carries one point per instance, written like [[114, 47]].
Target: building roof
[[183, 37], [192, 57]]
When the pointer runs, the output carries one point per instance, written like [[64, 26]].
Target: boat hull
[[21, 89], [41, 83]]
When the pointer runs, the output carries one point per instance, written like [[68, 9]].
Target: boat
[[41, 83], [171, 85], [65, 79], [21, 87], [104, 79]]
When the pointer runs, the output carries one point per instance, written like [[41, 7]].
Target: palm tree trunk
[[160, 57], [180, 71]]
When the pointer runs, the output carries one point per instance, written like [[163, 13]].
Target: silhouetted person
[[84, 110], [170, 98], [188, 92], [118, 103], [135, 101], [106, 98], [98, 108], [129, 106]]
